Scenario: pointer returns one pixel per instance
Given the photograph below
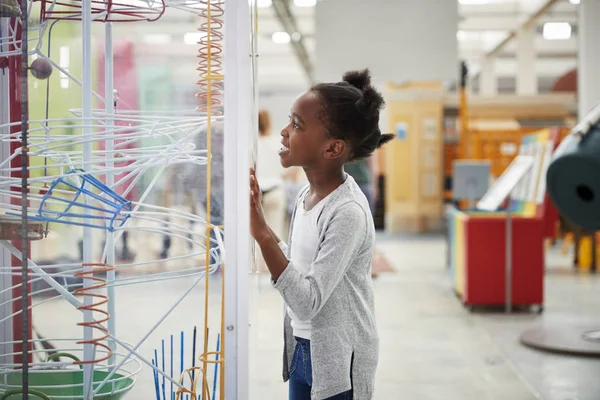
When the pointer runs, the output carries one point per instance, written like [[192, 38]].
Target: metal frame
[[6, 328], [238, 94]]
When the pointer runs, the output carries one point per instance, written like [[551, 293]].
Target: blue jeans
[[301, 374]]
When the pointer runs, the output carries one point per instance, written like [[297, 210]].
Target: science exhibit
[[132, 195]]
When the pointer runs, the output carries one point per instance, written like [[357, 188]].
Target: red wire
[[115, 11], [95, 307]]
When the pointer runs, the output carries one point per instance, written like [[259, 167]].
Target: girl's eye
[[296, 126]]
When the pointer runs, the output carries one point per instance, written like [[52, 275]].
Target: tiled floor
[[431, 348]]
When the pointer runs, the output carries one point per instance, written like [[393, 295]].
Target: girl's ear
[[335, 149]]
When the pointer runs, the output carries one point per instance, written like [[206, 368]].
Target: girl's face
[[305, 142]]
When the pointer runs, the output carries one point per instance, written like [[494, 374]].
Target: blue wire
[[116, 206], [155, 363], [181, 355], [194, 355], [163, 370], [216, 369], [172, 366]]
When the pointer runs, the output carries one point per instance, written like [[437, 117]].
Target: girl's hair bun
[[370, 102], [352, 109], [384, 138], [359, 79]]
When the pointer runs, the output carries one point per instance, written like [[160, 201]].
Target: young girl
[[331, 347]]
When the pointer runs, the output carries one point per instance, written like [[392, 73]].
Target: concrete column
[[526, 77], [588, 77], [488, 81], [398, 40]]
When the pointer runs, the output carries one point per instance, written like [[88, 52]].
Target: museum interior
[[130, 267]]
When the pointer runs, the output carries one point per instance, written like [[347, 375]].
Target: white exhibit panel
[[506, 183]]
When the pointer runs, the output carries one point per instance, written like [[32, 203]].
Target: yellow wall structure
[[414, 161]]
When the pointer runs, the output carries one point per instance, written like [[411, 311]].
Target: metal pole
[[110, 106], [508, 261], [86, 35], [463, 145], [15, 155], [24, 163], [6, 328]]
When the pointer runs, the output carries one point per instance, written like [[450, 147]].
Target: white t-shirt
[[269, 171], [306, 239]]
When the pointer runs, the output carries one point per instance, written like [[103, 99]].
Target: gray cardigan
[[337, 297]]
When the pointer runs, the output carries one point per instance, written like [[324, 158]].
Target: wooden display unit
[[413, 161]]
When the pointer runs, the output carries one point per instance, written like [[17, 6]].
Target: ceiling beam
[[508, 24], [288, 20], [572, 55], [545, 8]]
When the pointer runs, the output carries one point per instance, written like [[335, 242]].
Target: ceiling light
[[296, 36], [264, 3], [281, 37], [557, 30], [193, 37], [464, 35], [473, 1], [574, 1], [305, 3], [157, 38]]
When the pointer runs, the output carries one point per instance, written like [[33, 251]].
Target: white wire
[[133, 350], [177, 129]]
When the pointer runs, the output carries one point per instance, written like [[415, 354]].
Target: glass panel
[[126, 189]]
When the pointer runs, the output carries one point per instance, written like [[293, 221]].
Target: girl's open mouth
[[283, 150]]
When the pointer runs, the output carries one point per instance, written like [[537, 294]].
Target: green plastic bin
[[66, 384]]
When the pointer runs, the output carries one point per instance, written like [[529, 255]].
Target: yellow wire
[[208, 178], [194, 383]]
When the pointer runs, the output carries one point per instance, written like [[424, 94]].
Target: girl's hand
[[258, 226]]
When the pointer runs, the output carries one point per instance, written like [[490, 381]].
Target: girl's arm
[[273, 254], [279, 241], [344, 235], [269, 243]]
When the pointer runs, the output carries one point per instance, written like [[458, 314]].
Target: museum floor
[[431, 348]]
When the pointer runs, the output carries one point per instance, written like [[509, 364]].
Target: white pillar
[[588, 84], [238, 103], [398, 40], [488, 81], [526, 77]]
